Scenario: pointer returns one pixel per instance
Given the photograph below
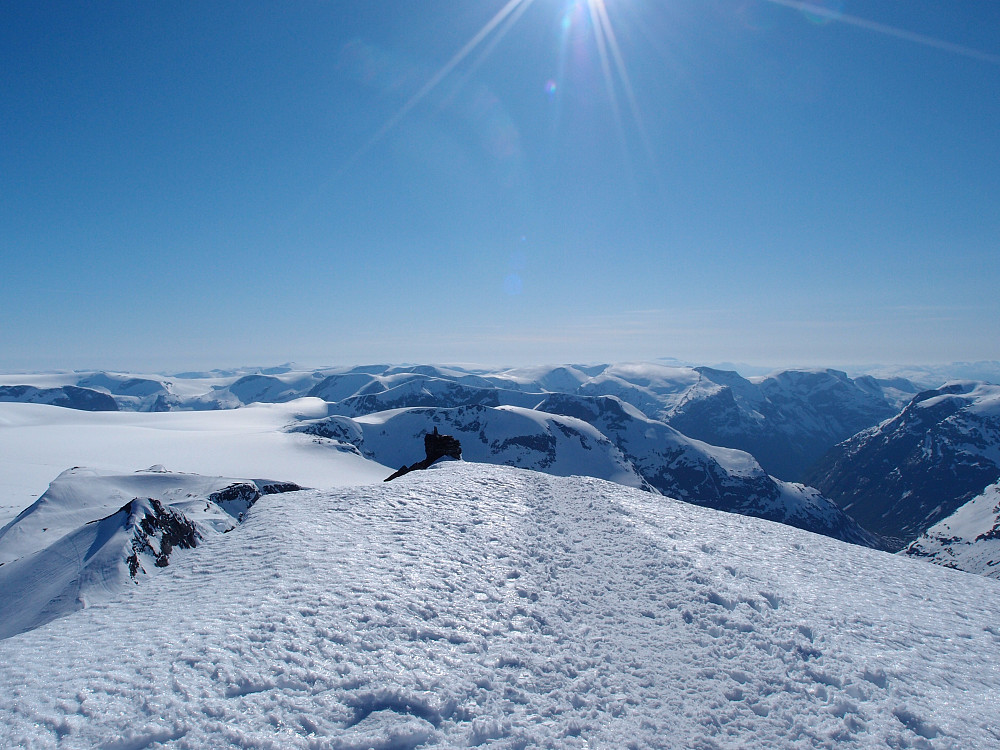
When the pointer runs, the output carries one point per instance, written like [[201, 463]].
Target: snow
[[506, 435], [968, 539], [92, 533], [474, 605], [38, 442]]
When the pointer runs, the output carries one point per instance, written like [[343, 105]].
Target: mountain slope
[[968, 539], [903, 476], [787, 420], [69, 550], [720, 478], [507, 435], [475, 605]]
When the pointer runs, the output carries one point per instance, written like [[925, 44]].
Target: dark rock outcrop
[[436, 447]]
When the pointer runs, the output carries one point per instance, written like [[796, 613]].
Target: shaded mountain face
[[968, 539], [68, 396], [788, 420], [603, 438], [900, 478]]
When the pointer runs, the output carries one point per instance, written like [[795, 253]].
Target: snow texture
[[486, 606]]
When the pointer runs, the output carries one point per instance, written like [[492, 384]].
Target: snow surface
[[93, 533], [38, 442], [475, 605]]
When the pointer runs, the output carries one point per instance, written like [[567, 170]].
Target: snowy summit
[[486, 606]]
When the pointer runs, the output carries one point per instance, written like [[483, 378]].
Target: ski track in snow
[[476, 605]]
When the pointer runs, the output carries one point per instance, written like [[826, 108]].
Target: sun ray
[[508, 22], [435, 80], [602, 51], [893, 31], [604, 22]]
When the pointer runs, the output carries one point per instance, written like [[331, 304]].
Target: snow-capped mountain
[[694, 471], [68, 396], [485, 606], [598, 437], [787, 420], [92, 532], [903, 476], [507, 435], [968, 539]]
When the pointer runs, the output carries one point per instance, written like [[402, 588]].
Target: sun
[[589, 18]]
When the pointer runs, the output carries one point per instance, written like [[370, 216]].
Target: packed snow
[[487, 606]]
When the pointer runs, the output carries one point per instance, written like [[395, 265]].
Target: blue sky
[[223, 183]]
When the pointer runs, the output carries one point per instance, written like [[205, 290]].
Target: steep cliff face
[[903, 476]]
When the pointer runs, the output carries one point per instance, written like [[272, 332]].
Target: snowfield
[[38, 442], [487, 606]]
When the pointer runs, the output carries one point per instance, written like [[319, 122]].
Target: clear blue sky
[[192, 184]]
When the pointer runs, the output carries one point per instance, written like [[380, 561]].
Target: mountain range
[[843, 456]]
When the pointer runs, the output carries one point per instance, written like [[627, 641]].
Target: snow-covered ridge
[[475, 605], [968, 539], [80, 543]]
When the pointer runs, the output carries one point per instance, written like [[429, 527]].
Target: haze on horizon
[[507, 181]]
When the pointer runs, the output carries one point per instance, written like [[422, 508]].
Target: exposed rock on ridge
[[436, 447]]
